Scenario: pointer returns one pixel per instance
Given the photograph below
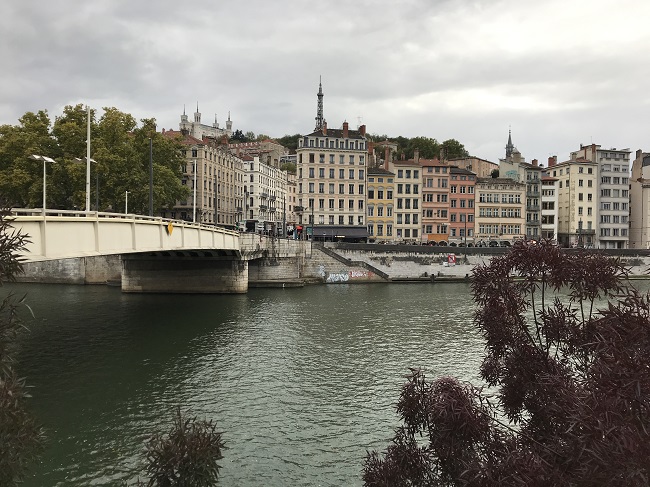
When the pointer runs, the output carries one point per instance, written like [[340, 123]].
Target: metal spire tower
[[319, 109]]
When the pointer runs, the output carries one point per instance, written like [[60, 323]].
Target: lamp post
[[45, 159], [150, 177], [126, 202], [88, 161]]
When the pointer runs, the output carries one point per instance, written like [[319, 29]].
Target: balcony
[[532, 207], [272, 198], [239, 209], [272, 209], [298, 209], [263, 207], [265, 195]]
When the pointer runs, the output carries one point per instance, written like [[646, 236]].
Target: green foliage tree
[[21, 179], [570, 380], [289, 141], [119, 148], [451, 149], [21, 438], [290, 167], [495, 173], [238, 136], [187, 456]]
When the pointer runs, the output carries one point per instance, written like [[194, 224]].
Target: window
[[321, 188], [331, 173], [341, 188], [350, 188], [371, 194], [351, 172], [311, 172]]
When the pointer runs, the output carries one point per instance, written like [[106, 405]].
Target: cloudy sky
[[558, 72]]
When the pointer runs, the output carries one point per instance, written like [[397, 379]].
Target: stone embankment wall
[[328, 267], [80, 270], [419, 262]]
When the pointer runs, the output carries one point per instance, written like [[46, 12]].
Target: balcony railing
[[298, 209], [532, 207], [263, 207], [272, 198], [265, 195]]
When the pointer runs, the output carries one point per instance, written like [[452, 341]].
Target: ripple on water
[[302, 382]]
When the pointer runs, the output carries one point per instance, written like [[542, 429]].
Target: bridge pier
[[174, 273]]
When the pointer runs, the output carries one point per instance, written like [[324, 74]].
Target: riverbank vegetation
[[21, 437], [566, 393]]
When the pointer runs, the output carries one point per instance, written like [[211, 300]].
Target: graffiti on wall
[[344, 276]]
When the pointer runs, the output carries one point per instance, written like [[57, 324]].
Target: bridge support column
[[167, 274]]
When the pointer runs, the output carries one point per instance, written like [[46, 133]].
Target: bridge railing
[[37, 215], [57, 234]]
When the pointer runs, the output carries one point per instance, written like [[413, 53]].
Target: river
[[301, 381]]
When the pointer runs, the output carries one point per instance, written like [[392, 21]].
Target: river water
[[301, 381]]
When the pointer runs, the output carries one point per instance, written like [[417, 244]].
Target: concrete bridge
[[147, 254]]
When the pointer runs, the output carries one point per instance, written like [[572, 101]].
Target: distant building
[[199, 130], [216, 180], [268, 151], [408, 183], [381, 205], [435, 177], [461, 205], [577, 191], [480, 167], [612, 198], [515, 167], [266, 196], [332, 165], [550, 205], [500, 209]]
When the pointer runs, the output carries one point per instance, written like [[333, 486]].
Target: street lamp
[[88, 185], [45, 159], [126, 202]]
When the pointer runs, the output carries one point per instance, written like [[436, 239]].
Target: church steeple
[[319, 109], [197, 114], [509, 147]]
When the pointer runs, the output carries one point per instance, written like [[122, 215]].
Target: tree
[[21, 438], [570, 376], [494, 174], [238, 136], [187, 456], [451, 149], [289, 141]]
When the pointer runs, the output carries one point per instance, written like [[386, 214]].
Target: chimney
[[371, 148], [345, 130], [552, 161], [416, 155], [362, 130], [535, 162], [324, 127]]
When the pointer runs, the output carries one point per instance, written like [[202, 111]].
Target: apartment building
[[500, 209], [332, 165], [435, 199], [640, 201], [481, 167], [380, 205], [549, 207], [461, 205], [577, 208], [515, 167], [216, 180], [408, 182], [266, 195], [268, 151], [613, 196]]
